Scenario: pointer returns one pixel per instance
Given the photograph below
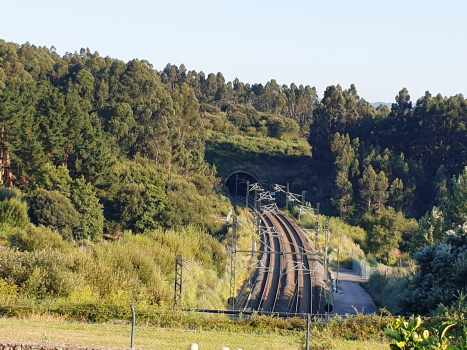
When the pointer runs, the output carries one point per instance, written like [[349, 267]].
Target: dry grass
[[355, 345], [55, 330]]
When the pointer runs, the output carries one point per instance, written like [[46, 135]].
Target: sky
[[380, 46]]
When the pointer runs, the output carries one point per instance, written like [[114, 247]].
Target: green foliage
[[139, 268], [38, 238], [243, 116], [8, 293], [385, 290], [13, 213], [440, 276], [187, 206], [360, 327], [52, 209], [53, 178], [7, 193], [243, 145], [38, 273], [138, 138], [350, 240], [139, 206], [276, 126], [456, 311], [339, 229], [405, 334], [345, 164], [441, 255], [446, 219], [410, 335], [136, 269], [455, 213], [386, 229], [91, 214], [429, 231]]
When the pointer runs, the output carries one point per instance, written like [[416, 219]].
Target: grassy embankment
[[281, 161]]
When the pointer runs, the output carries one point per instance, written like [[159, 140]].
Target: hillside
[[94, 148]]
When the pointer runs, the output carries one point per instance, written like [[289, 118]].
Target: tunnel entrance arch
[[237, 182]]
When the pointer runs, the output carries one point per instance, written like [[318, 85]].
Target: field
[[58, 331]]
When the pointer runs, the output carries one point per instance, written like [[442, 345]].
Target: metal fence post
[[308, 321], [133, 326], [178, 281]]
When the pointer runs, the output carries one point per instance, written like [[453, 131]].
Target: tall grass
[[348, 239], [134, 269], [386, 285]]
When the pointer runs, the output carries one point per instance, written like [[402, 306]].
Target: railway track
[[290, 278]]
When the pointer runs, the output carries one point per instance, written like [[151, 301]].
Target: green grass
[[40, 329], [50, 329]]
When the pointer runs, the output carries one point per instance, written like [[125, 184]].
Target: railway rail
[[291, 273]]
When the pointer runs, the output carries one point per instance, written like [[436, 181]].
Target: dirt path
[[350, 295]]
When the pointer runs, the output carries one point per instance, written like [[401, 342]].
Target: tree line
[[366, 162], [91, 145], [96, 145]]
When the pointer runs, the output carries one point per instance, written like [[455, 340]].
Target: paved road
[[350, 295]]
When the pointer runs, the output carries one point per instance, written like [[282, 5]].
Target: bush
[[13, 213], [53, 209], [7, 193], [52, 178], [38, 238], [39, 273], [413, 334], [8, 292], [360, 327], [139, 206], [441, 275]]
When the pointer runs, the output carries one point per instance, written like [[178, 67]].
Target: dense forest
[[372, 167], [377, 157], [92, 147]]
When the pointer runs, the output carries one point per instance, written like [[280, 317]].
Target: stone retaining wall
[[7, 345]]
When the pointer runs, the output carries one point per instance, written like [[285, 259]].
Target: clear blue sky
[[380, 46]]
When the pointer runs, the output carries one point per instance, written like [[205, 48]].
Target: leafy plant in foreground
[[410, 335]]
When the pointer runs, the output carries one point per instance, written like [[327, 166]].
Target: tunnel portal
[[237, 182]]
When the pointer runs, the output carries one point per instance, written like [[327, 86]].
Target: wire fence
[[167, 329], [364, 269]]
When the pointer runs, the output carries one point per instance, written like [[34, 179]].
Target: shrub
[[360, 327], [139, 206], [7, 193], [8, 292], [38, 238], [13, 213], [52, 209], [38, 273], [412, 335]]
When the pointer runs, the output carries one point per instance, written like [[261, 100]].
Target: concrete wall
[[7, 345]]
